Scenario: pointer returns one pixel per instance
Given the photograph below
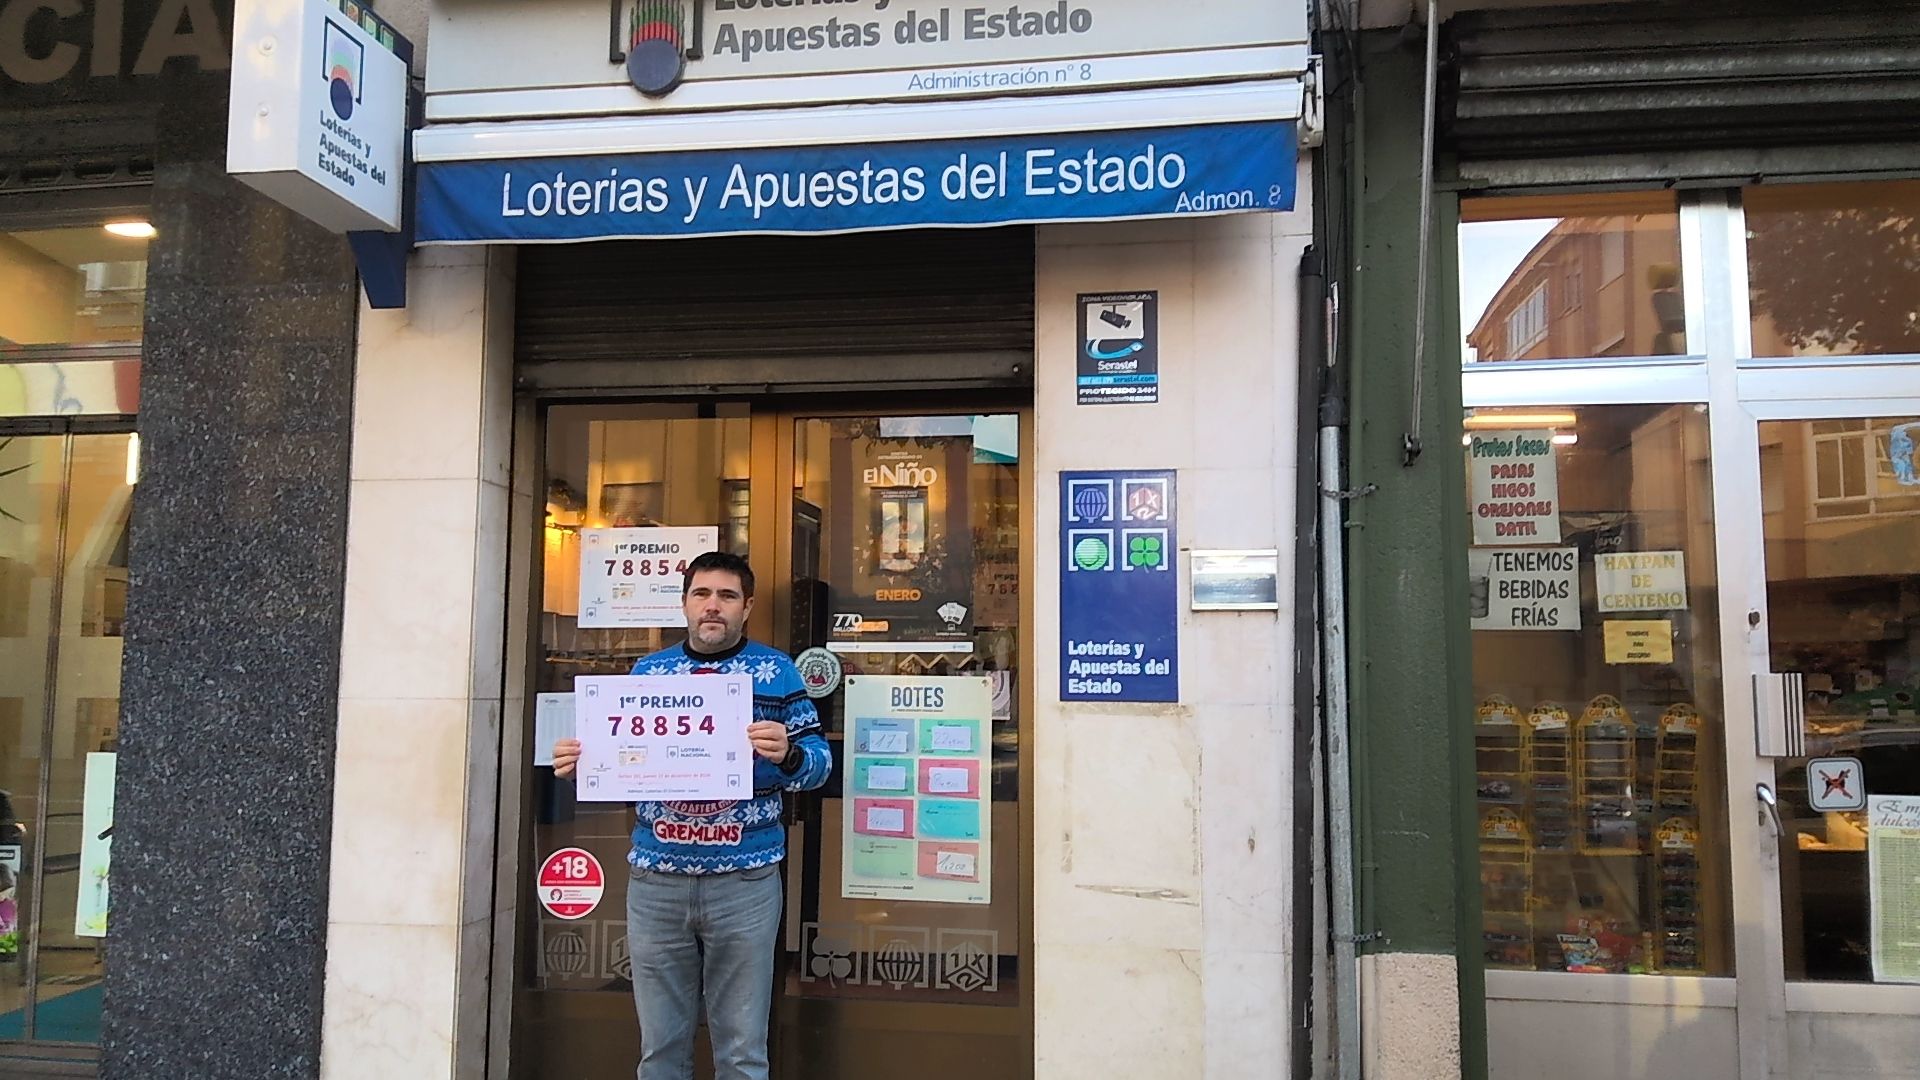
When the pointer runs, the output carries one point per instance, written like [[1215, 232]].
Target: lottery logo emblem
[[345, 61], [1146, 549], [820, 671], [1092, 550], [1146, 499], [1090, 500]]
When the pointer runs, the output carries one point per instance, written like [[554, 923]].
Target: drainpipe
[[1333, 666], [1307, 819]]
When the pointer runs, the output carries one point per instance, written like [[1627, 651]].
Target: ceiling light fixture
[[1521, 420], [131, 230]]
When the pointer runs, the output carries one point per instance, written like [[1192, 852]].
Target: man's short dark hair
[[720, 560]]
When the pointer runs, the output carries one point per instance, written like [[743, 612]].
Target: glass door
[[889, 553], [64, 511], [1840, 506], [906, 886]]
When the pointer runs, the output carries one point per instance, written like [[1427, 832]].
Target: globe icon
[[566, 953], [1090, 504]]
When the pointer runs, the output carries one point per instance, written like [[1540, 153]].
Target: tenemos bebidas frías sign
[[1146, 172]]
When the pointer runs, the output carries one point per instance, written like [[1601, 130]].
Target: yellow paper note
[[1639, 641]]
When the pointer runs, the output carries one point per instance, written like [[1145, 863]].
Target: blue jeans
[[705, 937]]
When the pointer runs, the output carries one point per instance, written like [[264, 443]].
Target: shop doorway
[[1697, 740], [889, 539], [66, 490]]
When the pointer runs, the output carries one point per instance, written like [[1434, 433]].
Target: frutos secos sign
[[318, 118]]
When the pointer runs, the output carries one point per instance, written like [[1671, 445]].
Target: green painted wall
[[1416, 859]]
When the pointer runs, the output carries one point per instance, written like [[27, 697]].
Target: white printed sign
[[947, 781], [1893, 886], [1515, 487], [1641, 581], [887, 777], [954, 864], [634, 577], [1523, 588], [645, 738], [552, 721]]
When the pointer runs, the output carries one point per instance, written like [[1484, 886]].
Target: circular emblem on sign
[[1091, 553], [340, 93], [819, 671], [570, 883], [656, 58]]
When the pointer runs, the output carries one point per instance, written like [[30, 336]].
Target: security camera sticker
[[1119, 361]]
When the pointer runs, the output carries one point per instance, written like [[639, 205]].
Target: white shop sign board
[[318, 115]]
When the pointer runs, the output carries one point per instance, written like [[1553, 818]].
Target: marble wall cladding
[[1178, 893], [230, 688], [422, 676]]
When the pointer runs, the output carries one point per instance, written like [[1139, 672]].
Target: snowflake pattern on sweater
[[741, 834]]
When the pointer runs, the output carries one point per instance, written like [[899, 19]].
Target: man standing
[[703, 891]]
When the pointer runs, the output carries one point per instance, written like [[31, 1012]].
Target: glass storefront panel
[[906, 562], [1841, 504], [1601, 787], [1569, 278], [902, 560], [1832, 269], [65, 506], [609, 467], [73, 286]]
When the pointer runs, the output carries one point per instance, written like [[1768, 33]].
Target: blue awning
[[1139, 153], [992, 180]]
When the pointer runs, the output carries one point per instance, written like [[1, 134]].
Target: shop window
[[1616, 259], [1600, 786], [73, 286], [1843, 601], [1831, 268]]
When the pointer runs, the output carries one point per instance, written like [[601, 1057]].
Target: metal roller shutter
[[1682, 91], [925, 307]]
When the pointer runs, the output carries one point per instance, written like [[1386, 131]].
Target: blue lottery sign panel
[[1119, 589]]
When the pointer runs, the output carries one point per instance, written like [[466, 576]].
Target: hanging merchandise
[[1604, 757], [1550, 777], [1506, 845], [1676, 849]]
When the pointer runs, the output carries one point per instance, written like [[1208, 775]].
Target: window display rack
[[1589, 837], [1506, 846]]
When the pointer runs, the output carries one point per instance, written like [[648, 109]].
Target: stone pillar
[[224, 798], [412, 917]]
